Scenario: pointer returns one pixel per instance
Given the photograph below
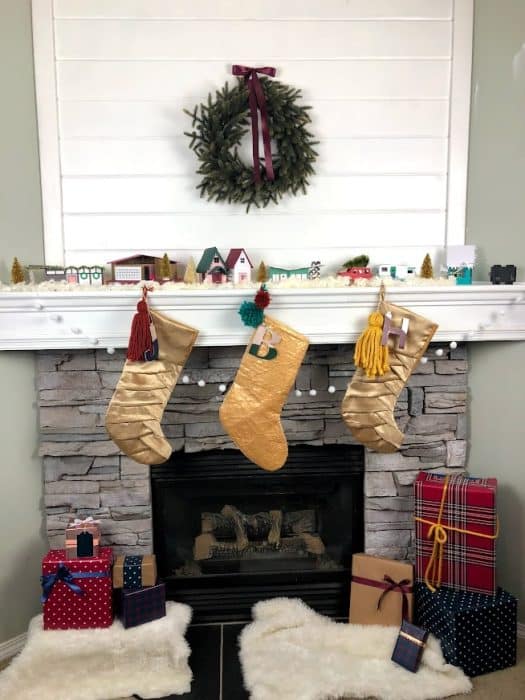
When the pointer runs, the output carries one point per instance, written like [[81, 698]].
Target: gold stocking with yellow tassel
[[385, 356]]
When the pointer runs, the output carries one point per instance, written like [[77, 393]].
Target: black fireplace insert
[[228, 534]]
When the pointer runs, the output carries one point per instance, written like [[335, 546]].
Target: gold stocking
[[251, 409], [135, 411], [368, 405]]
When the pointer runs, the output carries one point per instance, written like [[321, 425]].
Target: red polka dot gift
[[77, 593]]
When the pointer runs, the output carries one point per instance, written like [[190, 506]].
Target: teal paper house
[[212, 267]]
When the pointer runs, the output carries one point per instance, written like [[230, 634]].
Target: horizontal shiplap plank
[[179, 194], [345, 118], [185, 82], [256, 9], [273, 40], [173, 156], [276, 230]]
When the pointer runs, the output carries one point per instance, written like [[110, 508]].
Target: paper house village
[[237, 268]]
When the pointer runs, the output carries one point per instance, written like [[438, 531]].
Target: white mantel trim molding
[[87, 319]]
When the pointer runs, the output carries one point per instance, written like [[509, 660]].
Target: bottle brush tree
[[262, 273], [190, 275], [427, 271], [165, 267], [17, 272], [359, 261]]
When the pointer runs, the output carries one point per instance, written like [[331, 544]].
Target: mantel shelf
[[102, 318]]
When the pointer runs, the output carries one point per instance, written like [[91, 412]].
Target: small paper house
[[276, 274], [212, 267], [136, 268], [460, 262], [238, 265]]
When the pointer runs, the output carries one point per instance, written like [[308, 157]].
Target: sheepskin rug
[[101, 664], [290, 651]]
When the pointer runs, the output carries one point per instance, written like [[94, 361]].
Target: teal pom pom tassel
[[251, 314]]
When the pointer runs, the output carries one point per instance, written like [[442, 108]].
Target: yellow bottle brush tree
[[17, 272], [427, 271]]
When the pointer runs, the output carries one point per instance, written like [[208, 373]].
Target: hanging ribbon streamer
[[257, 101]]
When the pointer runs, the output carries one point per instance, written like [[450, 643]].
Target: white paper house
[[238, 265]]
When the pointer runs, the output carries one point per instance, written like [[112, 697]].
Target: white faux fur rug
[[150, 660], [289, 651]]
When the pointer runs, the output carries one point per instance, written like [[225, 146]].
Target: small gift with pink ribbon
[[381, 591], [82, 538]]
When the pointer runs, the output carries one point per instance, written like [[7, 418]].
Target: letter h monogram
[[389, 329]]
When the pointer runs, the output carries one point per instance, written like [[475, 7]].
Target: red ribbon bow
[[257, 101]]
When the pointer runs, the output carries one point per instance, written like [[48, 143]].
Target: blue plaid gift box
[[409, 646], [478, 632], [140, 605]]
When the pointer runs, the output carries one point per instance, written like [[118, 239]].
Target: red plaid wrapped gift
[[456, 532], [77, 593]]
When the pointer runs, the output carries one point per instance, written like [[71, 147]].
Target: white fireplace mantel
[[102, 318]]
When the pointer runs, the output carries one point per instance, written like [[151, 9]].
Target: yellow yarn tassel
[[369, 354]]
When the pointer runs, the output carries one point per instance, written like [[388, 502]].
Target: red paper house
[[238, 265]]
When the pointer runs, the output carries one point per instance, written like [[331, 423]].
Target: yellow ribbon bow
[[438, 532]]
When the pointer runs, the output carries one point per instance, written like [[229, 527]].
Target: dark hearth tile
[[232, 684], [205, 659], [205, 643]]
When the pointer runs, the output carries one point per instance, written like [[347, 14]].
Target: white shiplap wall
[[388, 80]]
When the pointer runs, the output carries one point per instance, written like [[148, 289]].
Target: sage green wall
[[22, 541], [496, 223]]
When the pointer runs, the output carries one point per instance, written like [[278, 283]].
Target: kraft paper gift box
[[381, 591], [78, 528], [140, 605], [77, 593], [456, 531], [135, 571], [478, 632]]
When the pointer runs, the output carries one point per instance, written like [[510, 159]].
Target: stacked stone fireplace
[[85, 474]]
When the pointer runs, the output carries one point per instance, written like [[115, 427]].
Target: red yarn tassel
[[262, 298], [140, 337]]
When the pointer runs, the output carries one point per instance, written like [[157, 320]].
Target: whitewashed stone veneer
[[85, 473]]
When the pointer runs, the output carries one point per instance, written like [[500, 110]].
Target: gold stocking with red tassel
[[158, 349]]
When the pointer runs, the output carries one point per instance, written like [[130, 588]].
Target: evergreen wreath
[[218, 129]]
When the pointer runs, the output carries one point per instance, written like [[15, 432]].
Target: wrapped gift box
[[140, 605], [80, 527], [409, 646], [378, 591], [135, 571], [77, 593], [477, 632], [468, 523]]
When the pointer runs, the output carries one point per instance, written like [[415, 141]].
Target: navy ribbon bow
[[64, 574]]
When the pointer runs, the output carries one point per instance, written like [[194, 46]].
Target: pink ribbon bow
[[257, 101]]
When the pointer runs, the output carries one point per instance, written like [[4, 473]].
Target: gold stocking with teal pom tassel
[[252, 407]]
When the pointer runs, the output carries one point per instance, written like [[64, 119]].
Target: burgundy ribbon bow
[[257, 101], [388, 584], [402, 586]]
